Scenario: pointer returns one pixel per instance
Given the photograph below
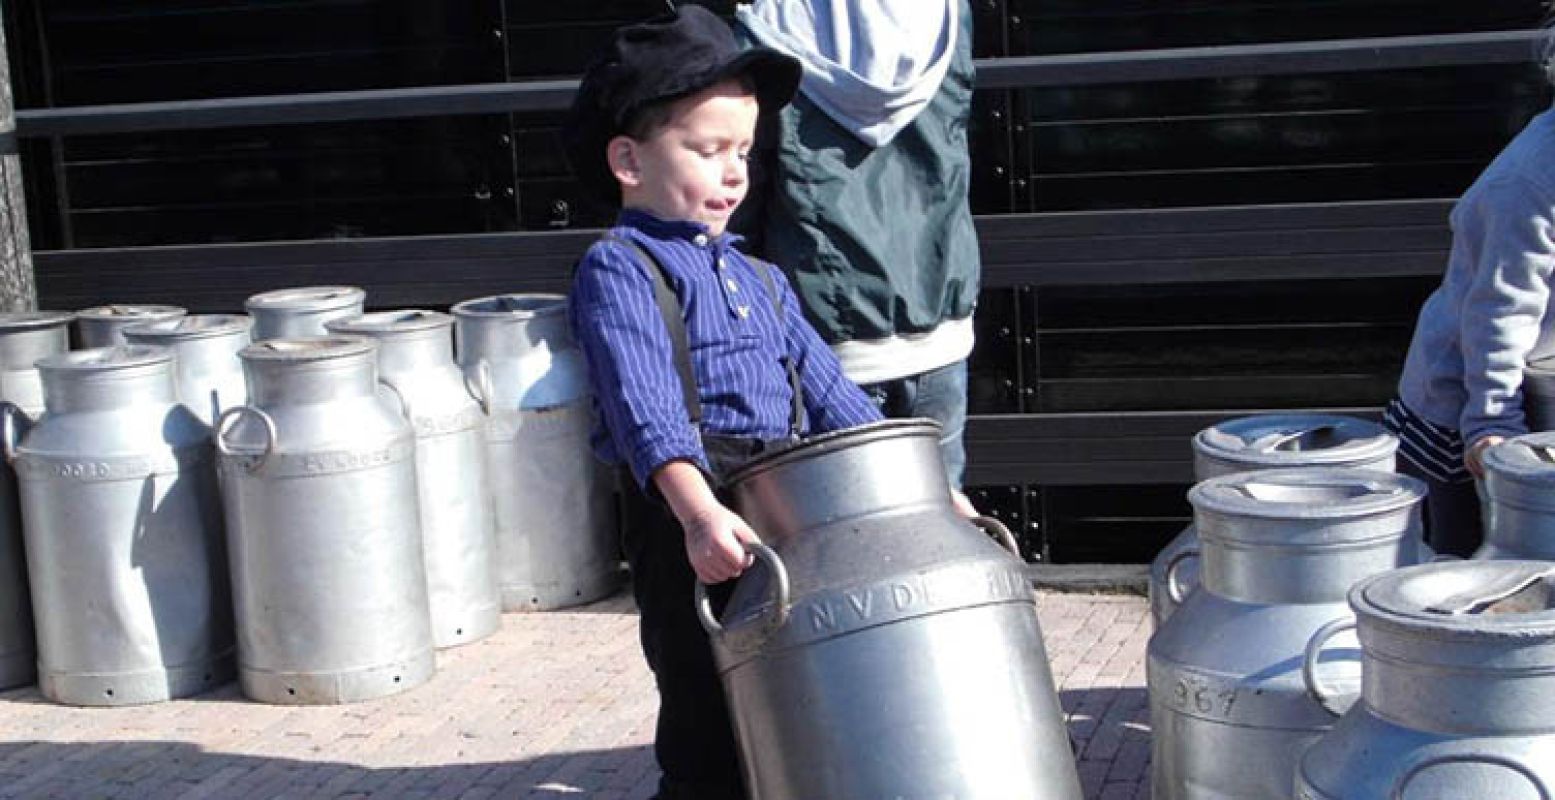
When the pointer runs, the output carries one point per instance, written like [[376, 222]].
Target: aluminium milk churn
[[882, 646], [1539, 393], [1458, 699], [124, 534], [1520, 504], [555, 505], [103, 326], [25, 337], [1230, 710], [302, 311], [416, 361], [1265, 441], [319, 482], [205, 358]]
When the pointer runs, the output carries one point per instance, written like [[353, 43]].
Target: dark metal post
[[18, 289]]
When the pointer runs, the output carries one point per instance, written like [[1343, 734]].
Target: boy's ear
[[621, 155]]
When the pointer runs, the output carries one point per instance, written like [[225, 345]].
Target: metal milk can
[[1230, 710], [302, 311], [319, 483], [124, 533], [1265, 441], [205, 349], [416, 360], [557, 544], [882, 646], [1539, 393], [1458, 699], [103, 326], [1520, 499], [25, 337]]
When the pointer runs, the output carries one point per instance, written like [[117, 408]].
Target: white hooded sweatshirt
[[871, 65]]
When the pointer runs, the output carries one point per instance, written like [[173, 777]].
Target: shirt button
[[700, 240], [733, 287], [744, 311]]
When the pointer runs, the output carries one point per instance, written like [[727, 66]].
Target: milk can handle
[[10, 431], [482, 391], [1309, 662], [224, 426], [774, 564], [999, 532], [1466, 758], [399, 396], [1174, 589]]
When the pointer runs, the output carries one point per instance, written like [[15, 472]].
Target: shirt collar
[[672, 228]]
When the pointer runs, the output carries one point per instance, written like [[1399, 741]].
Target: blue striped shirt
[[737, 345]]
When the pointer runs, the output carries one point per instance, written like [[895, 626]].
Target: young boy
[[698, 356]]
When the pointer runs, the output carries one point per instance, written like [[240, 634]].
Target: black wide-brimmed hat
[[664, 58]]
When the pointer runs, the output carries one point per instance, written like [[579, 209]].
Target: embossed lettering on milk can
[[1458, 700], [124, 535], [1520, 492], [103, 326], [25, 337], [555, 509], [883, 646], [1265, 441], [1230, 711], [301, 311], [205, 358], [416, 359], [319, 483]]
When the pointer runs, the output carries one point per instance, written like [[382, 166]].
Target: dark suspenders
[[675, 322]]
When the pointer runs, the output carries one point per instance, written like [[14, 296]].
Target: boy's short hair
[[630, 87], [654, 115]]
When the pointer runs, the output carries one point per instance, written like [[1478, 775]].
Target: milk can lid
[[381, 323], [124, 310], [33, 320], [1473, 598], [193, 326], [1307, 493], [317, 298], [307, 348], [97, 359], [1528, 460], [512, 305], [1290, 440]]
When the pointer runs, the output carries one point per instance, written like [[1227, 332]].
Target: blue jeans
[[940, 395]]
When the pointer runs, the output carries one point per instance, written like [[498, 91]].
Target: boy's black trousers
[[694, 740]]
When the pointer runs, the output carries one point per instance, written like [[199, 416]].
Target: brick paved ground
[[553, 706]]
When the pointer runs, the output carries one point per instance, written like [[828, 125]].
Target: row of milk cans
[[308, 496], [1308, 644]]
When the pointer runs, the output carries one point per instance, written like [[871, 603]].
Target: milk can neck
[[511, 326], [312, 381], [409, 352], [76, 390]]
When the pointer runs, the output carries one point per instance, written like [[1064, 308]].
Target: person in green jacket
[[859, 189]]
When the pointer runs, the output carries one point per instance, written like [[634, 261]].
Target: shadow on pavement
[[165, 769], [1110, 730]]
